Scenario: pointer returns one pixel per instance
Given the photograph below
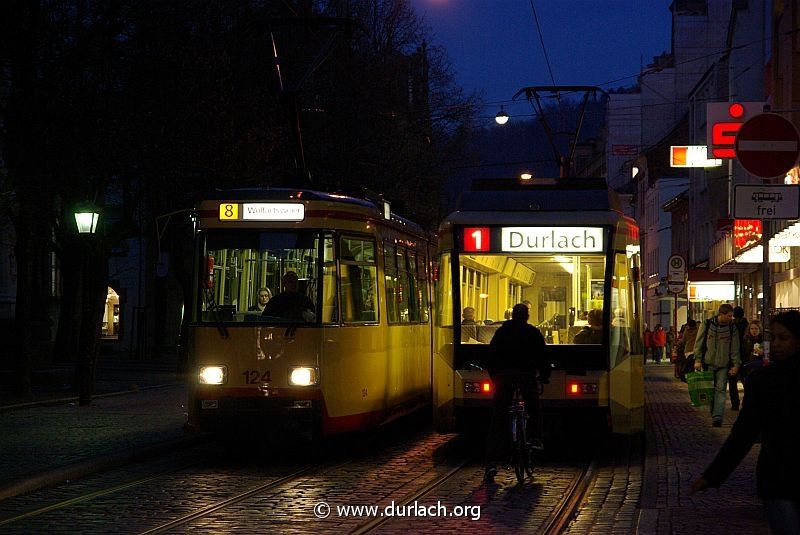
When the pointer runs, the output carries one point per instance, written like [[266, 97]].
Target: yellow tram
[[565, 249], [358, 356]]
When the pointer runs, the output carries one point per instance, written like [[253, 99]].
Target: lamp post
[[87, 216]]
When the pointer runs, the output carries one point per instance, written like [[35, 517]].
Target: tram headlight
[[303, 376], [213, 375]]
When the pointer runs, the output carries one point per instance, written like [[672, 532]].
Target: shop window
[[111, 315]]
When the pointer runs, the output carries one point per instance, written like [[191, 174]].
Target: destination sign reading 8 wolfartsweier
[[552, 239], [262, 211]]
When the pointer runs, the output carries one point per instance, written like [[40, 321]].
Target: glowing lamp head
[[212, 375], [303, 376], [501, 117], [86, 216], [486, 387]]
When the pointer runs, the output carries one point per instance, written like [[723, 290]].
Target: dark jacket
[[587, 335], [289, 305], [519, 347], [769, 409], [748, 344]]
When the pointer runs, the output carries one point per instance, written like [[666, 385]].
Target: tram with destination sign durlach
[[565, 248], [359, 352]]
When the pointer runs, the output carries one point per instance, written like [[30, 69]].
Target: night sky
[[495, 48]]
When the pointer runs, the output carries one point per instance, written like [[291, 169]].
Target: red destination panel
[[476, 239]]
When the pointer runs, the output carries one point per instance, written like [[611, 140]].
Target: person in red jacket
[[648, 342], [659, 343]]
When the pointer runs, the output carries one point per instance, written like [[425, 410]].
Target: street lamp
[[501, 117], [86, 216]]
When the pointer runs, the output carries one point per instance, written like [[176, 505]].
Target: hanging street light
[[501, 117], [86, 216]]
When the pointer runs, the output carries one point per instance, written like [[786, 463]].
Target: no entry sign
[[767, 145]]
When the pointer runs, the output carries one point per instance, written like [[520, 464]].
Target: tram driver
[[290, 304]]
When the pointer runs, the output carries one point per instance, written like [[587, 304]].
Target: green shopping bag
[[701, 387]]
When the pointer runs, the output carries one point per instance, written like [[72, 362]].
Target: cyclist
[[518, 352]]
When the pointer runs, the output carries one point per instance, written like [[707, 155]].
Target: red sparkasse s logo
[[476, 239]]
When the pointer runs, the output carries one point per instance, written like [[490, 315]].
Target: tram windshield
[[242, 272], [565, 294]]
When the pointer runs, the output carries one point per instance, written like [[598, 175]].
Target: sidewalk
[[139, 409], [680, 443]]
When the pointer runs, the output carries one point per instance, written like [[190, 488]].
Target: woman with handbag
[[752, 349], [689, 338]]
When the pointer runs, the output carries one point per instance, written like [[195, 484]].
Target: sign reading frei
[[676, 274], [766, 202]]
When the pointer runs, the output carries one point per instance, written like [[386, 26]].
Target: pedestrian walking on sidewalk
[[769, 410], [733, 379], [717, 349], [648, 342], [753, 351], [687, 342], [659, 343]]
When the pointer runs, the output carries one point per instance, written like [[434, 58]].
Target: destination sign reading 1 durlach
[[552, 239]]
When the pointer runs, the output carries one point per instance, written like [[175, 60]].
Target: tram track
[[432, 485], [222, 504], [559, 520], [113, 489]]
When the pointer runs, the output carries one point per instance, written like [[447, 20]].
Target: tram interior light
[[303, 376], [212, 375]]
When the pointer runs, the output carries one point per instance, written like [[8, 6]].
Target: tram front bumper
[[259, 414]]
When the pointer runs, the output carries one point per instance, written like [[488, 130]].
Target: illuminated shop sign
[[552, 239], [788, 237], [723, 121], [777, 254], [691, 156], [711, 291], [746, 232], [262, 211]]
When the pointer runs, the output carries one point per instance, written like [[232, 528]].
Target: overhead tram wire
[[541, 40]]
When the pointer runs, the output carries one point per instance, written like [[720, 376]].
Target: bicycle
[[522, 450]]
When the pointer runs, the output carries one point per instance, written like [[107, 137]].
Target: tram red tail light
[[477, 387], [576, 389]]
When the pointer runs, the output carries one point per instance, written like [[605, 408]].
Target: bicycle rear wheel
[[520, 449]]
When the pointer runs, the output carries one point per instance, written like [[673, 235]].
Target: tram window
[[402, 284], [392, 282], [561, 290], [422, 286], [358, 280], [330, 308], [242, 262]]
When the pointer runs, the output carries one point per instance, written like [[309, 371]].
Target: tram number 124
[[252, 377]]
